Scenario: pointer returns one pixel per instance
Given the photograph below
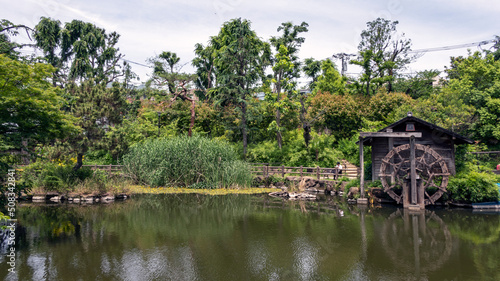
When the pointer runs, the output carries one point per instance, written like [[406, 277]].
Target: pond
[[250, 237]]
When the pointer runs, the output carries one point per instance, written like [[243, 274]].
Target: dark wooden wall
[[442, 143]]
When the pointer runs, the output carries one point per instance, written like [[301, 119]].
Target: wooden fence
[[111, 169], [262, 169]]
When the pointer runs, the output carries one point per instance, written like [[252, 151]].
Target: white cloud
[[148, 27]]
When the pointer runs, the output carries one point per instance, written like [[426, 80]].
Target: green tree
[[167, 72], [419, 85], [240, 59], [330, 79], [205, 68], [97, 108], [7, 30], [476, 83], [285, 66], [342, 115], [312, 69], [382, 52], [79, 51], [30, 108]]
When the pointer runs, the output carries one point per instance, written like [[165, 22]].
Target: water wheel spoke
[[400, 157]]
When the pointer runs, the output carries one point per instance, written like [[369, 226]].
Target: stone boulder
[[352, 192]]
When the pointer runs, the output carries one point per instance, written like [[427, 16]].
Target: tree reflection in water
[[416, 242], [193, 237]]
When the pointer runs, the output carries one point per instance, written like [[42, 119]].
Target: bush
[[474, 187], [294, 152], [187, 161], [50, 176], [352, 183]]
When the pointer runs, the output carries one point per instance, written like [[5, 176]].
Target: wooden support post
[[109, 170], [301, 172], [390, 147], [317, 172], [283, 171], [361, 169], [413, 172]]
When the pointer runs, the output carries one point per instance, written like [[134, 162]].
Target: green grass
[[195, 162]]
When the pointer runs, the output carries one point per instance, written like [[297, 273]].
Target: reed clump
[[195, 162]]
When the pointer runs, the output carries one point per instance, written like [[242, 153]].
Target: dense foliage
[[186, 161], [79, 101]]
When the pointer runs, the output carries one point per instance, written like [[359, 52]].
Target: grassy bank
[[138, 189]]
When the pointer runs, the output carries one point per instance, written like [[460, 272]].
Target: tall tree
[[286, 65], [205, 68], [312, 69], [79, 51], [97, 108], [330, 79], [167, 72], [382, 52], [7, 30], [30, 108], [239, 59]]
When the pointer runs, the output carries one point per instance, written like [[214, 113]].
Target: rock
[[108, 198], [258, 179], [314, 190], [353, 191], [121, 196], [342, 186], [38, 198], [88, 199], [57, 198]]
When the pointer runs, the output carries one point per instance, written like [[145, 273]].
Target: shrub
[[50, 176], [474, 187], [352, 183], [186, 161]]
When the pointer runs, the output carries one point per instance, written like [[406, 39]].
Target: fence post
[[301, 172], [95, 167], [109, 170], [317, 172], [283, 171]]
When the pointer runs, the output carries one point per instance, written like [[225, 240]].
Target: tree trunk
[[389, 83], [279, 138], [307, 134], [305, 125], [244, 127], [191, 126], [79, 161]]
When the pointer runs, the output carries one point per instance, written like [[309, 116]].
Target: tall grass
[[195, 162]]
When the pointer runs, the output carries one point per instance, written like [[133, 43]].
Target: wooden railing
[[111, 169], [319, 173], [264, 169]]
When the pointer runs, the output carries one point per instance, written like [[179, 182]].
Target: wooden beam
[[361, 168], [390, 135]]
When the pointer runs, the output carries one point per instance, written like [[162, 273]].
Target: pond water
[[250, 237]]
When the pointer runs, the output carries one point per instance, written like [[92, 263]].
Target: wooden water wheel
[[431, 169]]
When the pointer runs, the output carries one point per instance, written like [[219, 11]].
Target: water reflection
[[416, 242], [192, 237]]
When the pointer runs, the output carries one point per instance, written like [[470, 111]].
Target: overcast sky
[[149, 27]]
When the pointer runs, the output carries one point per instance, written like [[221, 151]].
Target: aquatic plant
[[195, 162]]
